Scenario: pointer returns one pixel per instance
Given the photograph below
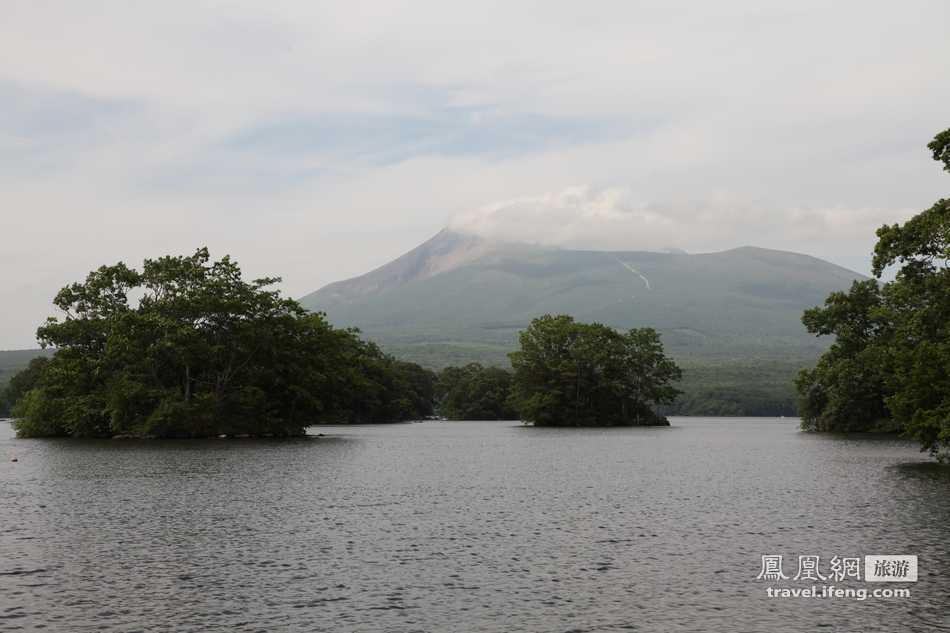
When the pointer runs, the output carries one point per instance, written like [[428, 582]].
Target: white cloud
[[612, 218], [580, 217]]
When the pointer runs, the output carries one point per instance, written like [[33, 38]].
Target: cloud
[[580, 217], [612, 218], [44, 130]]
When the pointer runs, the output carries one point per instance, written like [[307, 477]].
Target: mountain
[[458, 295]]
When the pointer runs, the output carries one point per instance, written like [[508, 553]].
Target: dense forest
[[728, 387], [474, 392], [889, 366]]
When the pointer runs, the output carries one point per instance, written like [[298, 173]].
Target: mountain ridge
[[461, 289], [449, 249]]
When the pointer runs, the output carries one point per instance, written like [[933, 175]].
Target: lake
[[467, 526]]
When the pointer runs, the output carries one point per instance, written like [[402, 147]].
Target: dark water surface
[[465, 527]]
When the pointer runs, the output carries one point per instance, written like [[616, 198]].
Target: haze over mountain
[[462, 297]]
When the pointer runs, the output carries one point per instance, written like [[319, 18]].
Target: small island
[[186, 348], [588, 374]]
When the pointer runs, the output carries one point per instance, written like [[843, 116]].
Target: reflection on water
[[464, 527]]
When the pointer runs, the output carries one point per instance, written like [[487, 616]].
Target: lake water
[[486, 526]]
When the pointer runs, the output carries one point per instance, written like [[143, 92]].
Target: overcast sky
[[316, 140]]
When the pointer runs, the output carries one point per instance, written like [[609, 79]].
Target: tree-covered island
[[588, 374], [185, 347]]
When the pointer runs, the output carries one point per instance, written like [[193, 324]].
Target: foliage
[[474, 392], [579, 374], [918, 348], [374, 387], [743, 383], [760, 385], [940, 147], [204, 353], [846, 390], [891, 356]]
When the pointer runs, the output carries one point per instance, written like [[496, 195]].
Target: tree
[[846, 390], [891, 356], [919, 307], [940, 147], [374, 387], [474, 392], [578, 374], [202, 353]]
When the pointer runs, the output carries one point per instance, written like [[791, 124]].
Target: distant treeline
[[477, 391]]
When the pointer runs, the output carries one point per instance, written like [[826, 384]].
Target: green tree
[[940, 147], [474, 392], [579, 374], [919, 306], [891, 356], [202, 353], [846, 390], [375, 387]]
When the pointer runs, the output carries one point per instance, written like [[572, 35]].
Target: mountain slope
[[457, 294]]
